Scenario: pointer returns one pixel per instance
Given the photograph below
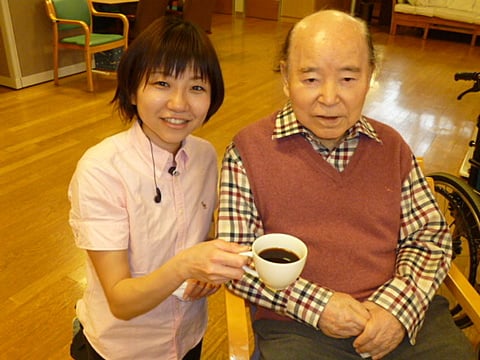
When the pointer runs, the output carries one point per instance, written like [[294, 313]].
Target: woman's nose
[[177, 100]]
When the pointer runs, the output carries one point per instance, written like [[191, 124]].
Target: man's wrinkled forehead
[[330, 27], [323, 23]]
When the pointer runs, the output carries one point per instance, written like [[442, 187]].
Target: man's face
[[327, 78]]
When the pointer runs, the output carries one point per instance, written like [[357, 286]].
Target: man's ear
[[284, 72]]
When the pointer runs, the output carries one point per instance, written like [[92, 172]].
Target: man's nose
[[328, 93]]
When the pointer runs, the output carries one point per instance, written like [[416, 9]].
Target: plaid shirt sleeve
[[239, 221], [423, 256]]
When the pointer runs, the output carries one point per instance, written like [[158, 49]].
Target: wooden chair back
[[72, 10], [67, 16]]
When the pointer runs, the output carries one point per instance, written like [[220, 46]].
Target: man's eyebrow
[[311, 69], [308, 69], [355, 69]]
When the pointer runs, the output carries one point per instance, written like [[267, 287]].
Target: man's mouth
[[324, 117]]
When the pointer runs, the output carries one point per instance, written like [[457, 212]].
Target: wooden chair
[[72, 29], [240, 343]]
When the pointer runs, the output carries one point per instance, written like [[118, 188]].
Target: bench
[[461, 16]]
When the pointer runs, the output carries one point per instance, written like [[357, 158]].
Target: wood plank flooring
[[45, 129]]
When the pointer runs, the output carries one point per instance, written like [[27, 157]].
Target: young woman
[[142, 203]]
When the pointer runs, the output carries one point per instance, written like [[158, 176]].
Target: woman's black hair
[[171, 45]]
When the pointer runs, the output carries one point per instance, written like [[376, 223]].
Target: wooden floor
[[44, 130]]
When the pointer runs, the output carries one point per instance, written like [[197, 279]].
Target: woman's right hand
[[215, 261]]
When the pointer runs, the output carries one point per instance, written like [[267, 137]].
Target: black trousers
[[80, 349]]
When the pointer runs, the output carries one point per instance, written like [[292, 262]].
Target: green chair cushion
[[95, 39]]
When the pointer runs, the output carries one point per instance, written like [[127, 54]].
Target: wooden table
[[114, 2], [126, 7]]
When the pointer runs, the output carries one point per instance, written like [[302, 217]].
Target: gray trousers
[[439, 339]]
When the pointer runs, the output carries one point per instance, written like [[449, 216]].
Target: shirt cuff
[[400, 299], [306, 302]]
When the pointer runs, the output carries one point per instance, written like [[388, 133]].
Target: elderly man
[[351, 189]]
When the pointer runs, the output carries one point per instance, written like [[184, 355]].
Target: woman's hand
[[196, 290], [215, 261]]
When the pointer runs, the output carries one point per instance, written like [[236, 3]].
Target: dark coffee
[[278, 255]]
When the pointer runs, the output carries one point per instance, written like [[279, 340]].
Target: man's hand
[[343, 316], [382, 334]]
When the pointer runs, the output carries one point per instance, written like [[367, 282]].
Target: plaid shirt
[[424, 247]]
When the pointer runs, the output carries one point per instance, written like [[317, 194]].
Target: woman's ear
[[284, 72]]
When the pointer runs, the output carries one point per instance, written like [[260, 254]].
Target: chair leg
[[88, 64], [55, 63], [425, 31], [393, 28]]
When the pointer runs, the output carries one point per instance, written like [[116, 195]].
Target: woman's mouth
[[175, 121]]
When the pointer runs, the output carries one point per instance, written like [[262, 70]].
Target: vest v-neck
[[323, 165]]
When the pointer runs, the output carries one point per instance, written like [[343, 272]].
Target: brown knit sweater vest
[[349, 220]]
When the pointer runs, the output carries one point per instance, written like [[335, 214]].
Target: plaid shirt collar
[[286, 124]]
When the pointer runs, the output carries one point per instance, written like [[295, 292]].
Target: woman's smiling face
[[172, 107]]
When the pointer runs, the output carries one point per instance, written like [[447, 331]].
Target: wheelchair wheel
[[460, 205]]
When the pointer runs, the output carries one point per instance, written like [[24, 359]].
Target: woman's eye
[[161, 83], [198, 88]]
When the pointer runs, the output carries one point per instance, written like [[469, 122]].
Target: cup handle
[[246, 253], [247, 269], [250, 271]]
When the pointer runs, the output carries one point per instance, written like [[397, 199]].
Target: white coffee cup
[[277, 275]]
